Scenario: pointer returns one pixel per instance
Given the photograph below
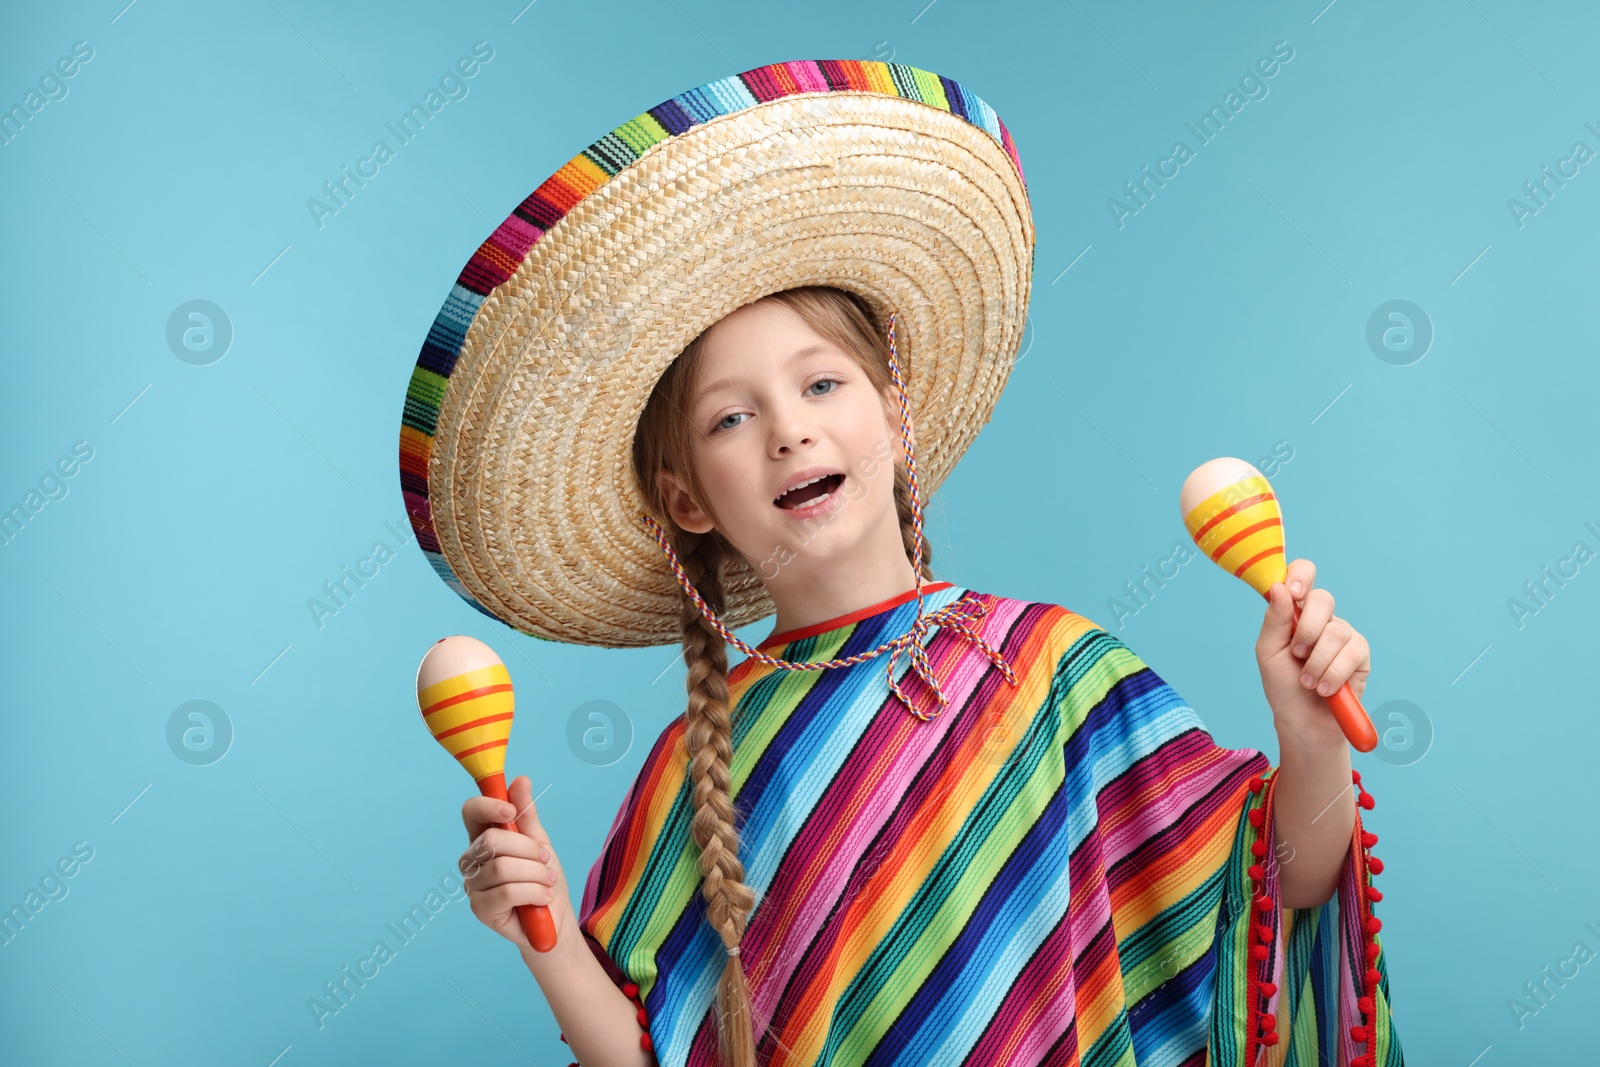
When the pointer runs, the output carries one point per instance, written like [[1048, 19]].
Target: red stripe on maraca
[[480, 748], [469, 725], [1257, 558], [1216, 553], [1231, 509], [471, 694]]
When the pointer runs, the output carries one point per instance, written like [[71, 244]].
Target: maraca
[[464, 693], [1232, 514]]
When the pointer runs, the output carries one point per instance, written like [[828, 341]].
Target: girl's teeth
[[810, 502]]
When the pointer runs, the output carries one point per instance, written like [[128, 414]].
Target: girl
[[1014, 844]]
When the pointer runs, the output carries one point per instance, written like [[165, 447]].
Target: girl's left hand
[[1302, 664]]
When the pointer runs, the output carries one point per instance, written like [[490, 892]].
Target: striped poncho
[[1058, 872]]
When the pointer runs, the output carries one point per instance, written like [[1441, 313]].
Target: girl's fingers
[[1315, 612], [480, 812], [508, 869], [510, 843], [1344, 665], [510, 894], [485, 813], [1335, 639], [495, 842]]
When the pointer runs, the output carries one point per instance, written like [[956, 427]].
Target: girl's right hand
[[503, 868]]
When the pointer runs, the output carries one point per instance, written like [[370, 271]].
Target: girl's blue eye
[[723, 424]]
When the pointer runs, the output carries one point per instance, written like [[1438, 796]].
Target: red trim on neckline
[[849, 617]]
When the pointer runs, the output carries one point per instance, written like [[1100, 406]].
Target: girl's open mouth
[[811, 499]]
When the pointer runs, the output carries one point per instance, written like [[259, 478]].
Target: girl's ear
[[891, 414], [681, 506]]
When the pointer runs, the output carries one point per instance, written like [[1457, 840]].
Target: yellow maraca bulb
[[464, 693], [1232, 513]]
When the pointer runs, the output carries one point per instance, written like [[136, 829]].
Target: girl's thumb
[[1278, 626], [520, 794]]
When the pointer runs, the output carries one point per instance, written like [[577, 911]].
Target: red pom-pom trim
[[630, 990], [644, 1043], [1263, 933], [1260, 933], [1368, 1030]]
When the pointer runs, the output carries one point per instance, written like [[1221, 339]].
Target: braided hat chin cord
[[959, 616]]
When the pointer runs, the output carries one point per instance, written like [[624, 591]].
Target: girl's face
[[774, 403]]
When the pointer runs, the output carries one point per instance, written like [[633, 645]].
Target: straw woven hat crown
[[517, 436]]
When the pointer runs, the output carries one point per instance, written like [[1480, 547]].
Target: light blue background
[[1229, 314]]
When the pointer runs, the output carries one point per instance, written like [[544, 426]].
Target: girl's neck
[[779, 637], [829, 599]]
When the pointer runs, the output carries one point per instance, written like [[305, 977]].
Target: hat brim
[[527, 502]]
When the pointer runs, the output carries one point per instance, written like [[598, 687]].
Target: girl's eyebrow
[[814, 349]]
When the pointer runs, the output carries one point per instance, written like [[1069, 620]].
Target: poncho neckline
[[840, 621]]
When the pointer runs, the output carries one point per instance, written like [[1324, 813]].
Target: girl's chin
[[820, 549]]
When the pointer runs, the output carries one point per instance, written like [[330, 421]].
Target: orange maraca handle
[[537, 923], [1347, 711]]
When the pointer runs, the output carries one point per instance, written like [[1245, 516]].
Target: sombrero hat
[[516, 440]]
